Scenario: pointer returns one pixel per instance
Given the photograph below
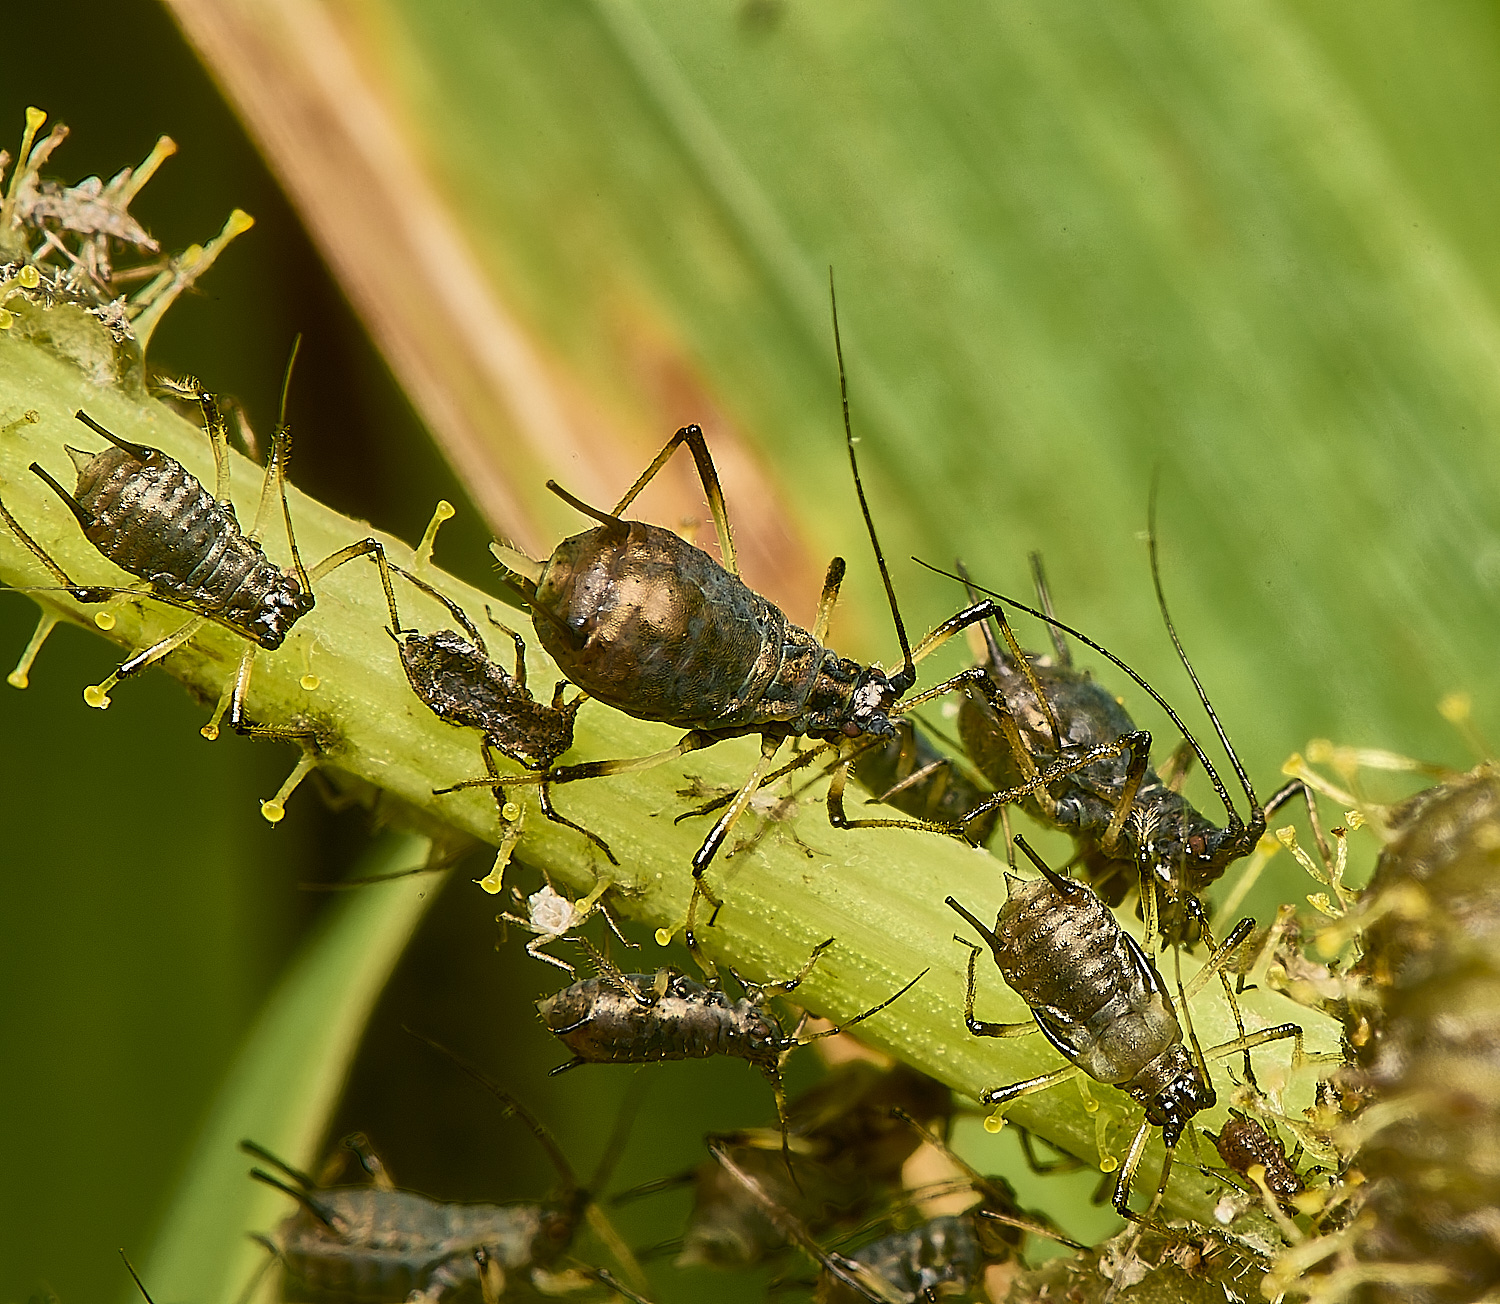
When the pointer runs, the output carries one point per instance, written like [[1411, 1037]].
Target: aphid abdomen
[[941, 1256], [662, 632], [1242, 1143]]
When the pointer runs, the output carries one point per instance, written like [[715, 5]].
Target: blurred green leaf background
[[1247, 245]]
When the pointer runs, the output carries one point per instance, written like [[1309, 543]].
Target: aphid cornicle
[[148, 514], [1097, 997], [456, 679], [1053, 739], [633, 1018], [373, 1244], [645, 622]]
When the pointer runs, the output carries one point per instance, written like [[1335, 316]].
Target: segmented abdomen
[[155, 519]]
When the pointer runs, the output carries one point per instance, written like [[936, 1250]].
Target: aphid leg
[[544, 800], [1121, 1197], [1064, 1163], [20, 677], [769, 746], [274, 810], [491, 1276], [1218, 958], [692, 741], [799, 761], [534, 948], [1022, 663], [692, 436], [1044, 601], [97, 695], [690, 931], [1260, 1038], [235, 691], [80, 592], [840, 819], [980, 1027], [359, 1144]]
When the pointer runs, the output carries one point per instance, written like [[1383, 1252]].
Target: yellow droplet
[[95, 696], [493, 881], [994, 1123], [444, 510], [663, 937], [7, 319], [1090, 1105], [1456, 707], [510, 812], [28, 277], [104, 619], [17, 679], [1108, 1163], [311, 683], [210, 731], [273, 811]]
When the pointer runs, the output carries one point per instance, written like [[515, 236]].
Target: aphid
[[146, 513], [1242, 1143], [551, 915], [633, 1018], [912, 775], [455, 678], [847, 1152], [373, 1244], [645, 622], [942, 1256], [1101, 1002], [1050, 737]]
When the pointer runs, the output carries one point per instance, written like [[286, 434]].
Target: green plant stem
[[880, 893]]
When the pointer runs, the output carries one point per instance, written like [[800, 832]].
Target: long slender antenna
[[512, 1105], [909, 666], [1161, 602], [1208, 767], [136, 1277]]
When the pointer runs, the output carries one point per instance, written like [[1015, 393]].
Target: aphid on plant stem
[[551, 915], [941, 1257], [374, 1244], [1053, 739], [1101, 1002], [643, 621], [455, 678], [634, 1018], [847, 1147], [146, 513], [1242, 1143]]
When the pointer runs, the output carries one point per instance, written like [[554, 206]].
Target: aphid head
[[282, 608], [1183, 1095], [875, 693]]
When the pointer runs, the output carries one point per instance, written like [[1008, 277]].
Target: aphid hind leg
[[544, 800], [692, 436], [979, 1027], [80, 592], [20, 677], [840, 819], [770, 744], [97, 695]]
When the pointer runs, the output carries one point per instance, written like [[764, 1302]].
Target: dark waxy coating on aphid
[[942, 1257], [662, 632], [945, 796], [1432, 963], [464, 687], [151, 517], [397, 1245], [1097, 997], [1242, 1142], [1164, 835], [601, 1024]]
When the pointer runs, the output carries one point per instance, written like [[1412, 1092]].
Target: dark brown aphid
[[940, 1257], [1101, 1002], [373, 1244], [911, 774], [1052, 738], [633, 1018], [456, 680], [1243, 1143], [642, 620], [847, 1152], [146, 513], [1432, 959]]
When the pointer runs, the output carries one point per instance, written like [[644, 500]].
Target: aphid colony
[[640, 620]]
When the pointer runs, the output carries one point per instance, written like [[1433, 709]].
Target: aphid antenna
[[908, 673], [1161, 602], [281, 448], [845, 1270], [578, 505], [512, 1106], [321, 1212], [1177, 720], [136, 1277]]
